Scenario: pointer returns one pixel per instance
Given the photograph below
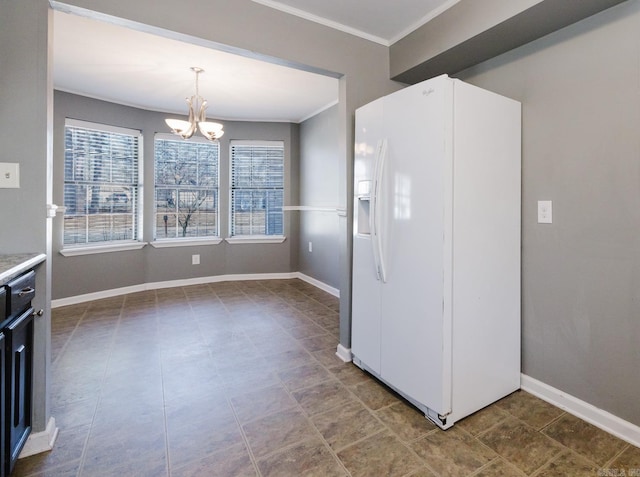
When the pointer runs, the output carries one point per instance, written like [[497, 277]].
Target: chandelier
[[197, 117]]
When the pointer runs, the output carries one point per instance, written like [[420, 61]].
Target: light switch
[[9, 175], [545, 212], [195, 259]]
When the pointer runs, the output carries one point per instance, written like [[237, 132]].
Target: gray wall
[[319, 187], [26, 97], [580, 90], [92, 273]]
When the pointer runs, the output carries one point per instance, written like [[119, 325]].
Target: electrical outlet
[[545, 212], [9, 175], [310, 247], [195, 259]]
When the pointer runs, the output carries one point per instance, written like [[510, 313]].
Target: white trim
[[73, 300], [100, 127], [38, 442], [323, 21], [318, 284], [250, 239], [598, 417], [91, 249], [257, 142], [309, 208], [424, 20], [315, 113], [341, 211], [164, 136], [344, 353], [166, 243]]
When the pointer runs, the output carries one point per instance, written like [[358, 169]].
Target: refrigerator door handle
[[375, 225]]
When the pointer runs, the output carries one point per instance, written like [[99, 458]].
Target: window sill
[[92, 249], [249, 239], [185, 242]]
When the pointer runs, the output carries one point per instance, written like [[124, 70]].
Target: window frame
[[256, 238], [134, 243], [185, 241]]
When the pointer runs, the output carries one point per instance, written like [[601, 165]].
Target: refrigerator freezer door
[[365, 342], [416, 198]]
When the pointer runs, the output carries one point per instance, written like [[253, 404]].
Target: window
[[186, 188], [257, 188], [101, 184]]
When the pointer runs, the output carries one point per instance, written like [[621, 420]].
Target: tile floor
[[241, 379]]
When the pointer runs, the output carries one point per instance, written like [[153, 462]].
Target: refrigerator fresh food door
[[415, 202], [365, 342]]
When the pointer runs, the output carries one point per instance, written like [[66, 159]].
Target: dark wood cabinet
[[17, 368], [2, 405]]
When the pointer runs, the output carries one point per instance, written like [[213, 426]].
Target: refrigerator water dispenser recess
[[363, 195]]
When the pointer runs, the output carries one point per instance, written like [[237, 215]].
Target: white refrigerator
[[436, 246]]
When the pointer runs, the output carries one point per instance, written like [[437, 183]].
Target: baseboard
[[343, 353], [604, 420], [38, 442], [73, 300], [318, 284]]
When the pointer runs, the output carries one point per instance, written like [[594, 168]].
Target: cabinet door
[[2, 405], [19, 335]]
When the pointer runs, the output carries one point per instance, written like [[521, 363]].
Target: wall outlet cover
[[545, 212], [9, 175]]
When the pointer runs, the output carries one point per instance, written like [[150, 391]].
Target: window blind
[[101, 183], [186, 188], [257, 188]]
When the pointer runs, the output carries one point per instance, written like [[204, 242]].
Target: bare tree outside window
[[186, 189]]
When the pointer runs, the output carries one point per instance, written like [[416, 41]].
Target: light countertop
[[12, 265]]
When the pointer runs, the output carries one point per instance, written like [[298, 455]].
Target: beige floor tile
[[452, 452], [310, 458], [482, 420], [303, 376], [323, 396], [349, 373], [259, 403], [277, 431], [406, 421], [374, 394], [500, 468], [585, 439], [423, 472], [234, 461], [320, 342], [345, 425], [520, 444], [629, 461], [530, 409], [569, 464], [380, 454], [328, 358]]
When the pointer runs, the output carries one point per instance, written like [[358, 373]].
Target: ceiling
[[382, 21], [121, 65]]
